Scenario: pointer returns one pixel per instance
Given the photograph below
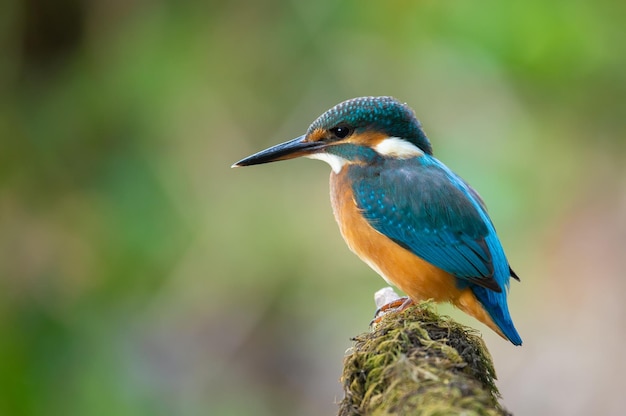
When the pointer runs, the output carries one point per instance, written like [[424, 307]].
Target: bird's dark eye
[[341, 132]]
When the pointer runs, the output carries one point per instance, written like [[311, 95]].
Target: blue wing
[[424, 207]]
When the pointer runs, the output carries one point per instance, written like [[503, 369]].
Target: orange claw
[[397, 305]]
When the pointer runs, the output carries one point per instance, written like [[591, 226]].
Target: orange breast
[[416, 277]]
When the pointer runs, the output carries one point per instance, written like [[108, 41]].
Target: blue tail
[[496, 306]]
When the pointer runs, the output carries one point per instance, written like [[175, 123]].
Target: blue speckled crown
[[385, 114]]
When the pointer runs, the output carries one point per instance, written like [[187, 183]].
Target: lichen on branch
[[416, 362]]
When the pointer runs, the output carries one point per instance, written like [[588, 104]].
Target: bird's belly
[[416, 277]]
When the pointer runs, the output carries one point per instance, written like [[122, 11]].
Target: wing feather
[[436, 216]]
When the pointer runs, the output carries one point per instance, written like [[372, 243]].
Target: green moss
[[419, 363]]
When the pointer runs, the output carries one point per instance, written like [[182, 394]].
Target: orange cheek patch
[[316, 135], [368, 138]]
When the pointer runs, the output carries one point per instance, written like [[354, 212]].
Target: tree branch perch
[[416, 362]]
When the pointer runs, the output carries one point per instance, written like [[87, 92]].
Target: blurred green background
[[140, 275]]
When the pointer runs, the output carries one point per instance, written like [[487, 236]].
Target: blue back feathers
[[424, 207]]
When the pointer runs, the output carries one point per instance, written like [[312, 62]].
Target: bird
[[417, 224]]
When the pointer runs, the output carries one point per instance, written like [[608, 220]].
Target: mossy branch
[[416, 362]]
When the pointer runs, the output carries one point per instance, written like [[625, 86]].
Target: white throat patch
[[335, 162], [397, 147]]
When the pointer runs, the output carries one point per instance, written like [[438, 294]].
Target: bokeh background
[[140, 275]]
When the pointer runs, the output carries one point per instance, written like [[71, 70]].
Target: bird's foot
[[397, 305]]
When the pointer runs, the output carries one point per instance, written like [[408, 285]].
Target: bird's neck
[[354, 153]]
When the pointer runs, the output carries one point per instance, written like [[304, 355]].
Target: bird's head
[[360, 130]]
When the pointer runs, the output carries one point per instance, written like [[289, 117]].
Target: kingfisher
[[403, 212]]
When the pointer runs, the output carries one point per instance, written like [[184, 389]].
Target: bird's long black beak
[[288, 150]]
